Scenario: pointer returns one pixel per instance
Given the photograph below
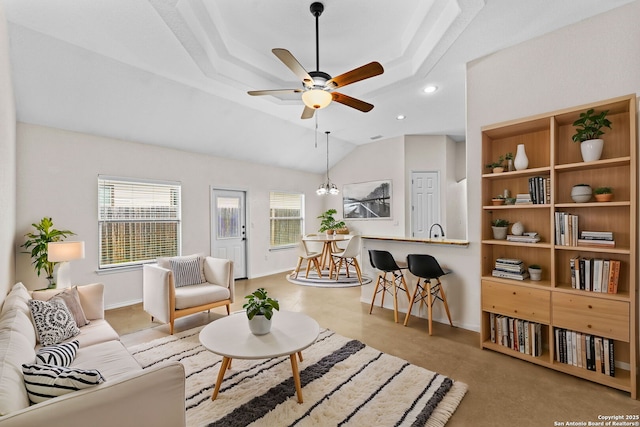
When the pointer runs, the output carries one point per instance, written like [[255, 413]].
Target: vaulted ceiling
[[175, 73]]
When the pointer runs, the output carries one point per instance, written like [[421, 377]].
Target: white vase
[[260, 325], [521, 161], [591, 149]]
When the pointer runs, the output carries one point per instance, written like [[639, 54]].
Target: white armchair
[[165, 301]]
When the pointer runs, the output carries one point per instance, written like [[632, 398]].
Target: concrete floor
[[503, 391]]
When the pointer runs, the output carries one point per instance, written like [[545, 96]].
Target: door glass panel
[[228, 217]]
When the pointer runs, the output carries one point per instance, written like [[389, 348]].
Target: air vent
[[373, 138]]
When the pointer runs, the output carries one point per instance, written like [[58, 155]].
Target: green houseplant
[[603, 194], [260, 308], [37, 241], [499, 228], [328, 223], [497, 167], [588, 131]]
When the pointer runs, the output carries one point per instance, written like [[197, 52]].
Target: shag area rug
[[325, 282], [344, 383]]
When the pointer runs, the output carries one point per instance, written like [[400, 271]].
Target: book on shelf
[[523, 199], [509, 275], [596, 235], [585, 351], [523, 238], [566, 229], [597, 243], [595, 274], [509, 261], [539, 190], [517, 334]]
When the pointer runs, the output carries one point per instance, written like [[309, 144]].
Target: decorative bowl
[[581, 193]]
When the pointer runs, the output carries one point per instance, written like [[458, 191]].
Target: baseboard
[[123, 304]]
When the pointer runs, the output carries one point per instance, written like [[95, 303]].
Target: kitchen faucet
[[431, 229]]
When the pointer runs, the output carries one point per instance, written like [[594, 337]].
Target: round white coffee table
[[231, 338]]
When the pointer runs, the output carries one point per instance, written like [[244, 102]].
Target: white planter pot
[[591, 149], [260, 325], [535, 274], [499, 233]]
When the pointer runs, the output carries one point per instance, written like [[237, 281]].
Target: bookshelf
[[554, 302]]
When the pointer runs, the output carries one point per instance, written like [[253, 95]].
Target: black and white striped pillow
[[59, 354], [47, 381], [186, 272]]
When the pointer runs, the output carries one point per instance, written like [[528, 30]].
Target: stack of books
[[523, 199], [597, 238], [539, 190], [510, 268], [595, 275], [566, 229], [516, 334], [529, 237], [585, 351]]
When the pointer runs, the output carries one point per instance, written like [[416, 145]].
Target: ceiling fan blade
[[292, 63], [351, 102], [366, 71], [273, 92], [307, 113]]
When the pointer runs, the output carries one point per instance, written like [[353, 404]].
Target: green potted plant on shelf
[[499, 228], [603, 194], [535, 272], [498, 200], [588, 131], [259, 307], [497, 167], [509, 158], [328, 223], [38, 242]]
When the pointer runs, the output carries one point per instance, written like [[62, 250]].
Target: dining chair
[[310, 257], [384, 261], [348, 257], [427, 269]]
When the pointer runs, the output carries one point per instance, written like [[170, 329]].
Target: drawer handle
[[514, 293], [589, 326], [590, 306]]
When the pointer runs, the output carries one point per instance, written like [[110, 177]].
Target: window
[[138, 221], [286, 218]]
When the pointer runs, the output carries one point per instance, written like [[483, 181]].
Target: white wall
[[57, 177], [593, 60], [7, 164]]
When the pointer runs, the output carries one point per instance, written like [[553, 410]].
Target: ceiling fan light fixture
[[327, 187], [316, 98]]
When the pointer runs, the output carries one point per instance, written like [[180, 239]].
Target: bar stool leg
[[384, 288], [375, 292], [411, 301], [430, 307], [444, 300], [395, 298]]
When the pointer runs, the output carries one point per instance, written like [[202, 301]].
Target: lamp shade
[[65, 251], [316, 98]]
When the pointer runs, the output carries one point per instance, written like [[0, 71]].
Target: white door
[[228, 229], [425, 203]]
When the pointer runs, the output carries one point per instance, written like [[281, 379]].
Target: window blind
[[138, 220], [286, 218]]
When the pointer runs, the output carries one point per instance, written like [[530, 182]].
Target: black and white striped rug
[[344, 383], [325, 281]]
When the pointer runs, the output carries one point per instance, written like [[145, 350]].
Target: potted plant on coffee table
[[260, 308], [500, 227], [328, 223], [38, 242], [588, 131]]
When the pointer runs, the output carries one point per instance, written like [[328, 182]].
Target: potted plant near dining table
[[328, 223], [260, 308]]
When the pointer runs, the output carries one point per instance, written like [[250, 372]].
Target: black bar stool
[[426, 269], [383, 260]]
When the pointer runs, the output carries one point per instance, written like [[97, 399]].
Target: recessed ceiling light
[[430, 89], [401, 117]]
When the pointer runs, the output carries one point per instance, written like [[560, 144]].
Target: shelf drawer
[[516, 301], [597, 316]]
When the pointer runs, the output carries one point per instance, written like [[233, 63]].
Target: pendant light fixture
[[327, 187]]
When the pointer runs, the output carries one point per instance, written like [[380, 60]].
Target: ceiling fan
[[318, 86]]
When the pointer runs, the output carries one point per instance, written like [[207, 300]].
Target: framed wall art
[[367, 200]]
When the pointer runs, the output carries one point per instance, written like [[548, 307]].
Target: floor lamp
[[63, 252]]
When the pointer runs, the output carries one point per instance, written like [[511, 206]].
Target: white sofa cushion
[[111, 358], [44, 382], [15, 320], [53, 321], [91, 299], [72, 300], [15, 349], [17, 299], [195, 295]]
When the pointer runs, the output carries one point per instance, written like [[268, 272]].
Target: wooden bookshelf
[[553, 302]]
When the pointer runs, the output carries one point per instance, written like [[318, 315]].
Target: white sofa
[[129, 396], [166, 302]]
